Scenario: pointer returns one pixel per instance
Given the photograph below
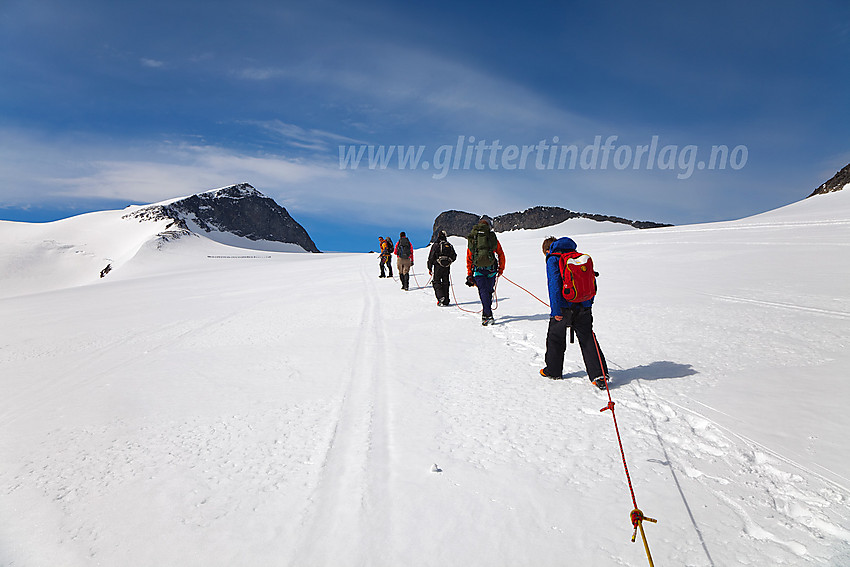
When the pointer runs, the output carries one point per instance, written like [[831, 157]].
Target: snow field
[[290, 410]]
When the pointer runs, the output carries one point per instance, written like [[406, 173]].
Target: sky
[[676, 112]]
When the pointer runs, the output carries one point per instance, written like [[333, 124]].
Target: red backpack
[[578, 276]]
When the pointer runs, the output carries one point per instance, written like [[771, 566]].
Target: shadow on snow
[[660, 370]]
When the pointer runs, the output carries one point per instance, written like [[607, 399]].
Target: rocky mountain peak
[[838, 182], [238, 191], [238, 209]]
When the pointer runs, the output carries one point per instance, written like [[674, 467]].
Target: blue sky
[[103, 104]]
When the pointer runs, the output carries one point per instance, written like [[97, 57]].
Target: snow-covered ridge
[[100, 246]]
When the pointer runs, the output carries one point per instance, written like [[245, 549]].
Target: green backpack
[[482, 243]]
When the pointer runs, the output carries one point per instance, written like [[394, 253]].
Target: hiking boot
[[600, 382], [543, 373], [487, 320]]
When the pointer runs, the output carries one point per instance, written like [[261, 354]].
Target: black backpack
[[404, 248], [446, 254]]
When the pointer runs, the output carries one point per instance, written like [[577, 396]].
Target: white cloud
[[41, 170], [187, 170], [37, 170], [305, 138], [152, 63], [260, 74], [404, 81]]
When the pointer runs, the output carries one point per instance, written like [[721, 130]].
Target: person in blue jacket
[[578, 317]]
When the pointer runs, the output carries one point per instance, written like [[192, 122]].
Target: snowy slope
[[284, 409], [38, 257]]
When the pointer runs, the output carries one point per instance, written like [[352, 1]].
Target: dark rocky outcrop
[[238, 209], [458, 223], [838, 182], [455, 223]]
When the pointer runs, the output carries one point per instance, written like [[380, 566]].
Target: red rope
[[526, 291], [457, 304], [636, 516]]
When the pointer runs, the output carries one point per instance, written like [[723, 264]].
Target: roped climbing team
[[485, 260]]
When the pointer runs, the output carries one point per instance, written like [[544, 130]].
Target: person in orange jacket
[[386, 255]]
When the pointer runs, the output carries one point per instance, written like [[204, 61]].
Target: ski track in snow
[[829, 312], [340, 512]]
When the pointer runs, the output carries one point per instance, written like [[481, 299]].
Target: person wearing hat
[[564, 316], [485, 260], [440, 259]]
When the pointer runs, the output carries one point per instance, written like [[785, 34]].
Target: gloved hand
[[470, 281]]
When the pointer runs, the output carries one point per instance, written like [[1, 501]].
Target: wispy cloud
[[44, 170], [40, 170], [187, 170], [419, 84], [304, 138], [261, 74], [151, 63]]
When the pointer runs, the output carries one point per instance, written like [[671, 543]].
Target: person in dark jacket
[[440, 259], [404, 261], [485, 260], [578, 317]]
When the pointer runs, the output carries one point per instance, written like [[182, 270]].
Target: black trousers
[[440, 281], [386, 261], [581, 321]]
